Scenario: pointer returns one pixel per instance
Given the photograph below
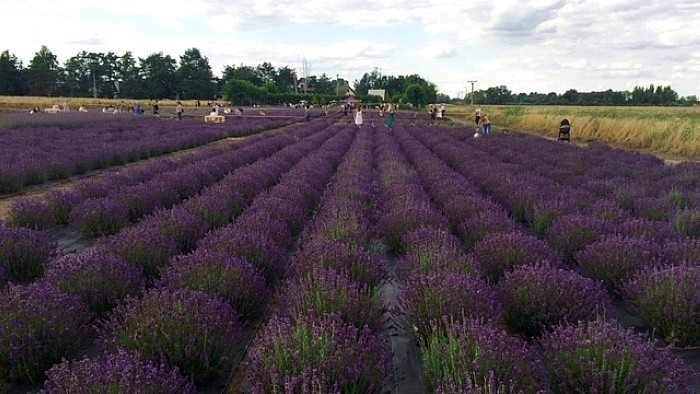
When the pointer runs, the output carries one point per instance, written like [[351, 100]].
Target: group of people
[[389, 109], [483, 123]]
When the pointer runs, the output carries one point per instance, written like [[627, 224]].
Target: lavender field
[[313, 257]]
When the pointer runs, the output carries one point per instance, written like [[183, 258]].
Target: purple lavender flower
[[572, 233], [434, 250], [256, 248], [467, 356], [682, 251], [24, 253], [653, 230], [256, 220], [687, 222], [669, 298], [100, 279], [498, 253], [490, 221], [61, 202], [112, 373], [180, 225], [428, 297], [142, 247], [30, 212], [537, 297], [323, 291], [99, 216], [614, 259], [319, 354], [38, 325], [360, 265], [192, 330], [597, 357], [232, 278]]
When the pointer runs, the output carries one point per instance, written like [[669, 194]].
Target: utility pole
[[472, 82], [337, 85]]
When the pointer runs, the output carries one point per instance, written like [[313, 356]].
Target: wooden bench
[[215, 119]]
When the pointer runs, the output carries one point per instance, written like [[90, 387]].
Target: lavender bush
[[360, 265], [317, 354], [24, 253], [260, 221], [572, 233], [687, 222], [434, 250], [191, 329], [602, 357], [669, 298], [142, 247], [467, 356], [231, 278], [39, 324], [256, 248], [121, 372], [653, 230], [537, 297], [615, 259], [325, 291], [99, 216], [498, 253], [100, 279], [180, 226], [60, 202], [429, 297], [683, 251], [491, 221], [30, 212]]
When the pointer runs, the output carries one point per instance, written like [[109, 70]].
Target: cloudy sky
[[529, 46]]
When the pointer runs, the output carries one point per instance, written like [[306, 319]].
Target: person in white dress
[[358, 116]]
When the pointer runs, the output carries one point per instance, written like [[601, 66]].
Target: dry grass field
[[671, 132]]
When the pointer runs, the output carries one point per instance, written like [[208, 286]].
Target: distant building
[[377, 92]]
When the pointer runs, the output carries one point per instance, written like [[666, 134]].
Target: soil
[[408, 368]]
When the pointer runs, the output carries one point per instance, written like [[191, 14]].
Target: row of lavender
[[325, 334], [194, 338], [105, 205], [34, 155], [532, 292], [609, 233], [643, 186]]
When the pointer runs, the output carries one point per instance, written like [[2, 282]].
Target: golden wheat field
[[671, 132]]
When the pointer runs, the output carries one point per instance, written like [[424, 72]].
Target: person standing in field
[[179, 110], [358, 116], [390, 116], [155, 108], [485, 124], [477, 116]]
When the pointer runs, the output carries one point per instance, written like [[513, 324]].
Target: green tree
[[241, 92], [286, 79], [159, 77], [11, 78], [243, 73], [43, 73], [127, 75], [195, 78]]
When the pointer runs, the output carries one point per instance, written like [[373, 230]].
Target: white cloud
[[530, 45]]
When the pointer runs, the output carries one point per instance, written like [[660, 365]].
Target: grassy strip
[[671, 132]]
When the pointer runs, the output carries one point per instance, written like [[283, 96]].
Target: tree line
[[159, 76], [651, 95]]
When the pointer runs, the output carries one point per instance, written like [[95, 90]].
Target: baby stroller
[[564, 128]]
